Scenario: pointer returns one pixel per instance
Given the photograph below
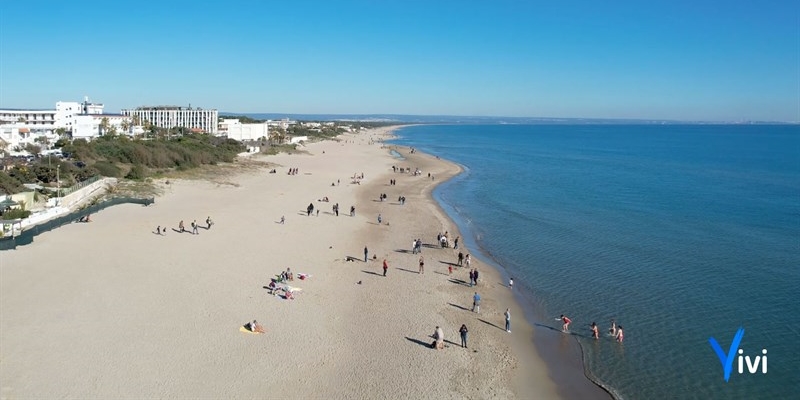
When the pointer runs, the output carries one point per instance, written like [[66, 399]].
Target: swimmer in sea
[[566, 321]]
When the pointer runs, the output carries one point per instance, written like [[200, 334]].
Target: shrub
[[137, 173], [108, 169], [15, 213]]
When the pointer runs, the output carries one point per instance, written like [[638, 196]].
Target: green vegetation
[[14, 214], [243, 119], [118, 156]]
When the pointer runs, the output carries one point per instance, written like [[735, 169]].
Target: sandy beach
[[110, 309]]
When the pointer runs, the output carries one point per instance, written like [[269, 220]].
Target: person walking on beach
[[421, 265], [455, 243], [463, 331], [209, 222], [318, 212], [460, 259], [467, 260], [366, 253], [508, 320], [380, 219], [476, 303], [385, 267], [471, 278], [566, 321], [352, 211], [595, 331], [194, 228], [283, 219], [309, 209], [511, 283], [181, 227], [450, 269], [476, 277], [414, 247]]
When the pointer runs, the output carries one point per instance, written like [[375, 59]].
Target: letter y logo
[[727, 360]]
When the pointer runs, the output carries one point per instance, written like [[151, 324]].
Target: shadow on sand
[[419, 342], [459, 282], [459, 307], [491, 324], [370, 272], [407, 270]]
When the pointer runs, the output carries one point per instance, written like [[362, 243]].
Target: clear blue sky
[[686, 60]]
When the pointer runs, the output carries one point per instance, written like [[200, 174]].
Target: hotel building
[[196, 119]]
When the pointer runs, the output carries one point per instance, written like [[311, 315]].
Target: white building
[[21, 127], [196, 119], [90, 126], [234, 129]]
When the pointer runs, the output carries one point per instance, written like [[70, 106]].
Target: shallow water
[[680, 233]]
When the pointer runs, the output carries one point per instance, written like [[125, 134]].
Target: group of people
[[182, 227], [615, 331], [293, 171], [443, 240], [416, 246]]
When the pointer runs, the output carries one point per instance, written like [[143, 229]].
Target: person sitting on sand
[[289, 274], [255, 327], [438, 334]]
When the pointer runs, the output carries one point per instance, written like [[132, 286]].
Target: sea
[[680, 233]]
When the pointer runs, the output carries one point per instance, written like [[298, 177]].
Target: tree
[[277, 135], [126, 126], [45, 142], [61, 132], [33, 149], [104, 126]]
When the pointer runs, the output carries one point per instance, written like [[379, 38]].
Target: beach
[[112, 309]]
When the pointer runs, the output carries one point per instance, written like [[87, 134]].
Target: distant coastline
[[474, 120]]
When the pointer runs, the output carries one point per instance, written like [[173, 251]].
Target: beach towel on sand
[[245, 330]]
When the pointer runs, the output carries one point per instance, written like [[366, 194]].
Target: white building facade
[[19, 128], [169, 117], [234, 129], [90, 126]]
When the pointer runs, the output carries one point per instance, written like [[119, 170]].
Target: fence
[[65, 191], [27, 235]]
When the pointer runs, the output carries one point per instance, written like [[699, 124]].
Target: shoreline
[[570, 377], [185, 293]]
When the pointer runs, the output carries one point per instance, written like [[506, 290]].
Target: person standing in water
[[566, 321], [595, 331], [620, 335], [613, 329]]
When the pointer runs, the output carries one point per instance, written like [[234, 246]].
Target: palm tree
[[104, 126]]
